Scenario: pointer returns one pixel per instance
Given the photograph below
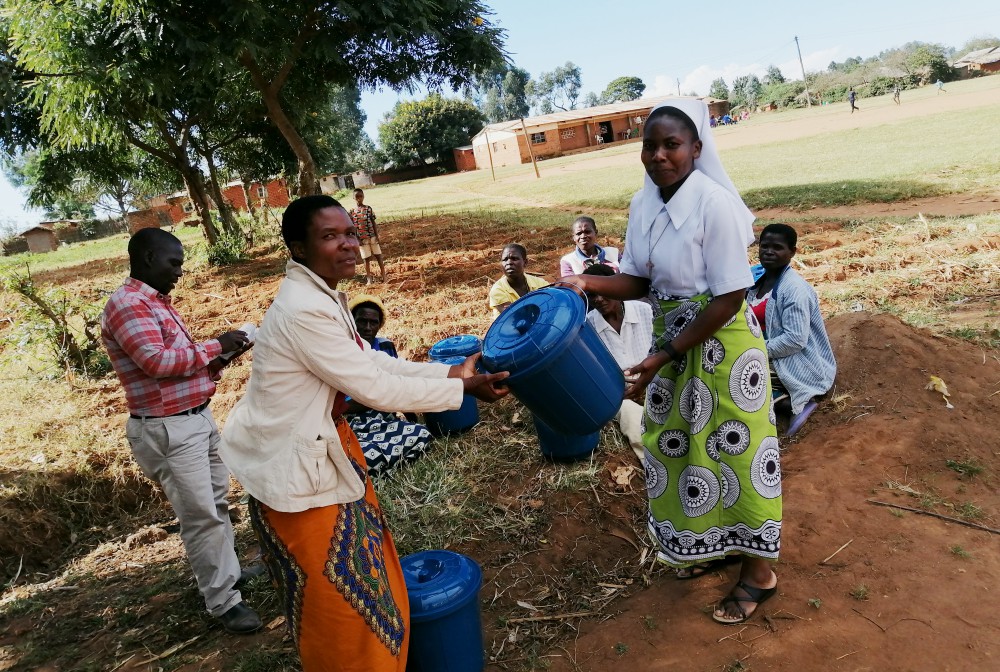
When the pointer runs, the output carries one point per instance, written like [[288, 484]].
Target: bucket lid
[[439, 582], [534, 327], [462, 345]]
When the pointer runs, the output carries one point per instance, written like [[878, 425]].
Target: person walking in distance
[[851, 98], [168, 380], [364, 221]]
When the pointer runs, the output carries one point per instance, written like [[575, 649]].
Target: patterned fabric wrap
[[388, 441], [338, 574], [713, 472]]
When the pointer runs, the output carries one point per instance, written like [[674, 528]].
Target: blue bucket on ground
[[452, 351], [446, 632], [562, 448], [559, 368]]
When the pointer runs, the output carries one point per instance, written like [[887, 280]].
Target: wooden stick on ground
[[829, 557], [936, 515], [554, 617]]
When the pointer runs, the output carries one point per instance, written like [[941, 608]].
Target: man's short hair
[[149, 239]]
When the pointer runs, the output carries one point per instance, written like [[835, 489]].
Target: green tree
[[718, 89], [773, 76], [558, 89], [501, 93], [623, 89], [979, 42], [424, 131], [746, 92], [930, 63], [591, 100]]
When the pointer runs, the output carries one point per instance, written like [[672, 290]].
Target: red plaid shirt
[[364, 221], [160, 366]]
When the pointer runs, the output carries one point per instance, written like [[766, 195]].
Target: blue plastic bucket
[[446, 632], [562, 448], [453, 351], [559, 368]]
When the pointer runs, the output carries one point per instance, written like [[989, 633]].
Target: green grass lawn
[[922, 156]]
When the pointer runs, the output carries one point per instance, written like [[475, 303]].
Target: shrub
[[230, 248]]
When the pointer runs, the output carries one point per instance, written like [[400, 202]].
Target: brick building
[[568, 132]]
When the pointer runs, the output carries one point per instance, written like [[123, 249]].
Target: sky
[[662, 42]]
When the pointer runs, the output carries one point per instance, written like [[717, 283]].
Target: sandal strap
[[754, 594], [730, 601]]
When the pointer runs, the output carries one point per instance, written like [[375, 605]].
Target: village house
[[979, 62], [569, 132], [169, 209], [41, 238]]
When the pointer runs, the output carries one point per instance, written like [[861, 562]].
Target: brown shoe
[[241, 620]]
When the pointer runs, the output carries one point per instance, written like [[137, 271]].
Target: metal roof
[[980, 57]]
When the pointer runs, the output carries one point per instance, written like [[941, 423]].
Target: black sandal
[[753, 594], [703, 568]]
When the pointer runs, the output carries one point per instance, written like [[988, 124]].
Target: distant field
[[930, 145]]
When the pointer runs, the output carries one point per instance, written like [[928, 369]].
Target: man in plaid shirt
[[169, 380]]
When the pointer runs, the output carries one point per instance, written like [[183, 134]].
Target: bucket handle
[[576, 289]]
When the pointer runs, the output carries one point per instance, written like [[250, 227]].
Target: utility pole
[[802, 65]]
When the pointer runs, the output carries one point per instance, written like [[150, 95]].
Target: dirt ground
[[908, 591], [861, 586]]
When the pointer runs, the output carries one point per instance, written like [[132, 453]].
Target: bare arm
[[620, 286]]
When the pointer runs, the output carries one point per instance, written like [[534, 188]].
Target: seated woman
[[385, 439], [587, 252], [515, 283], [626, 329], [788, 311]]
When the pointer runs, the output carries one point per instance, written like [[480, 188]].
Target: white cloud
[[700, 79]]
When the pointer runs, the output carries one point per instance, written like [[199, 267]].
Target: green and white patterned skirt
[[713, 473]]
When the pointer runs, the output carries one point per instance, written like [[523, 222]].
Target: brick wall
[[153, 218]]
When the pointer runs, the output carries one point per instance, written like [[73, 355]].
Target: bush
[[68, 327], [229, 249]]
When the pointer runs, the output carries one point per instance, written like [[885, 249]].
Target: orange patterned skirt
[[337, 571]]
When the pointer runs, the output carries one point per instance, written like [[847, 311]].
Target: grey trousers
[[181, 454]]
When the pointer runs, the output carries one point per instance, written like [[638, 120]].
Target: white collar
[[680, 206]]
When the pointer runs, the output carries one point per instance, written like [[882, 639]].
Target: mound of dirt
[[908, 591]]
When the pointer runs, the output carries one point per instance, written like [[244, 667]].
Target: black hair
[[599, 269], [515, 246], [298, 216], [148, 239], [587, 220], [788, 233], [359, 189], [372, 305], [676, 113]]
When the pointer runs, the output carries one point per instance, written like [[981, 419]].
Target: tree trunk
[[195, 183], [308, 179], [229, 222], [251, 208]]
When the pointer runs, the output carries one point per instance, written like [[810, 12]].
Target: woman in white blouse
[[712, 469]]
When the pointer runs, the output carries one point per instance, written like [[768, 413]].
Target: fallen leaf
[[526, 605], [279, 621], [623, 475], [937, 385]]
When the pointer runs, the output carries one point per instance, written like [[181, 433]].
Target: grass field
[[920, 156], [70, 495]]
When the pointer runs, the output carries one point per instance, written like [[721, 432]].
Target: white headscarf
[[708, 163]]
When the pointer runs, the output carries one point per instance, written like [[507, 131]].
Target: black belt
[[191, 411]]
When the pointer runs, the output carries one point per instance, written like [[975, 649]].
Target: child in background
[[364, 221]]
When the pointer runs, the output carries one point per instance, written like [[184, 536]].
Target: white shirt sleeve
[[724, 249]]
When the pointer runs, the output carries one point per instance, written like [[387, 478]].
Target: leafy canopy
[[427, 130]]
